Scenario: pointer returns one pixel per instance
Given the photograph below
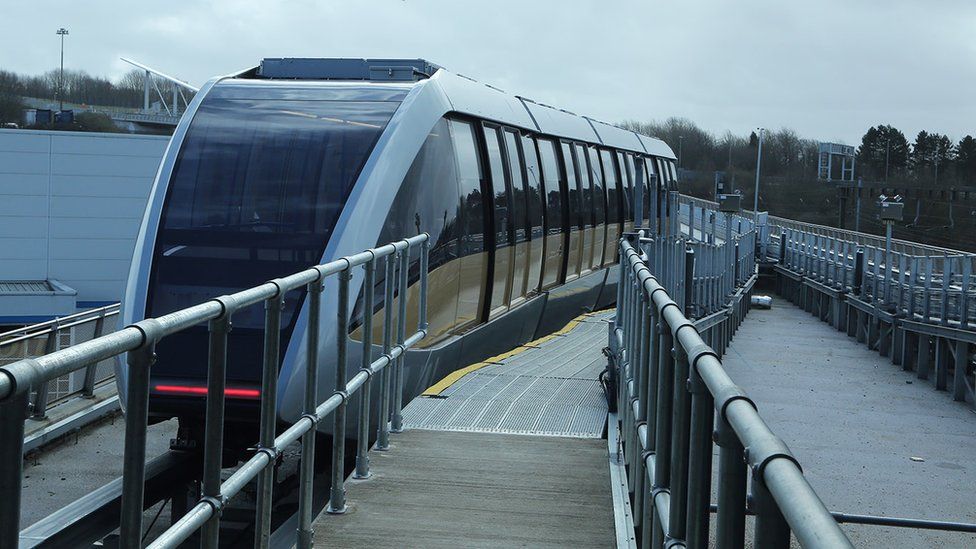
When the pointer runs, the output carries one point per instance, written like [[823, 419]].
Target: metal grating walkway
[[547, 387]]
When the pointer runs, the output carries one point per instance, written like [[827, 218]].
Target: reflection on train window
[[474, 260], [555, 240], [502, 279], [254, 195]]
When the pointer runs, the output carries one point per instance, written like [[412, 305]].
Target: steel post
[[139, 362], [43, 388], [213, 448], [337, 499], [307, 472], [362, 442], [680, 427], [399, 372], [269, 391], [386, 377], [88, 388], [731, 519], [771, 529], [699, 461], [13, 413], [662, 430]]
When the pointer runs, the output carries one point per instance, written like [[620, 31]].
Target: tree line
[[885, 154]]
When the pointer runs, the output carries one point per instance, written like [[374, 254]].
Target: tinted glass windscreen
[[255, 194]]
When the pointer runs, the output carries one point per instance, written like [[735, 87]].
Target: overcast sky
[[828, 69]]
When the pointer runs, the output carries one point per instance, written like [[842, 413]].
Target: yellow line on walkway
[[452, 378]]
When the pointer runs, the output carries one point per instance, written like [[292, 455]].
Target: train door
[[612, 180], [501, 283], [472, 253]]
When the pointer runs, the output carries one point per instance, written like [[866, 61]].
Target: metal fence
[[939, 289], [139, 341], [60, 333], [672, 390]]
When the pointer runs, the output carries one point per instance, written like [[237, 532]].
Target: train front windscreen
[[256, 190]]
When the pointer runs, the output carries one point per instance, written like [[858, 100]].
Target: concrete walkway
[[871, 438]]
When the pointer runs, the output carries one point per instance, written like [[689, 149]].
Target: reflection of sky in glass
[[271, 166]]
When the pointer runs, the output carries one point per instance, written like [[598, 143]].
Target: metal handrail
[[667, 426], [139, 341], [934, 289]]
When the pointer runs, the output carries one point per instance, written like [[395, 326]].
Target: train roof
[[466, 96]]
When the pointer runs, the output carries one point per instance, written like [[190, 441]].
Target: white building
[[70, 208]]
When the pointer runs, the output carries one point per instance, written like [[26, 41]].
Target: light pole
[[755, 198], [62, 32]]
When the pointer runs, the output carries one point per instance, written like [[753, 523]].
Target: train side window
[[473, 265], [575, 199], [599, 207], [626, 163], [503, 229], [612, 186], [428, 201], [519, 214], [534, 194], [586, 186], [553, 213]]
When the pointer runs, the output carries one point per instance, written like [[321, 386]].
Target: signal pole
[[755, 198]]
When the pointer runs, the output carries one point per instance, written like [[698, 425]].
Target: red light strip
[[202, 391]]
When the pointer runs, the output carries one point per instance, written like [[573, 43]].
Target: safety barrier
[[139, 341], [53, 335], [672, 390]]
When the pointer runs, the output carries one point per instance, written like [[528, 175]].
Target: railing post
[[731, 519], [772, 531], [307, 472], [13, 413], [699, 460], [213, 448], [399, 372], [362, 443], [857, 283], [43, 388], [139, 361], [386, 376], [689, 303], [88, 388], [337, 499], [662, 430], [680, 428], [269, 390]]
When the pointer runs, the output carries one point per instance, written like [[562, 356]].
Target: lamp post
[[62, 32], [755, 198]]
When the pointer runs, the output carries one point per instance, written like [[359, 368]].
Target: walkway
[[505, 453], [872, 438]]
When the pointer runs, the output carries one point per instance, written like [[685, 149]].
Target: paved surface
[[547, 387], [855, 421], [82, 462], [474, 467], [452, 489]]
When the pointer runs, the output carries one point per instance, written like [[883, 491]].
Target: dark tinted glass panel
[[474, 262], [626, 163], [613, 196], [575, 200], [501, 205], [586, 186], [519, 207], [428, 201], [599, 192], [550, 175], [255, 194], [533, 188]]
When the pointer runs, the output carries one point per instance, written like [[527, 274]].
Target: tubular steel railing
[[938, 289], [47, 337], [139, 341], [672, 391]]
